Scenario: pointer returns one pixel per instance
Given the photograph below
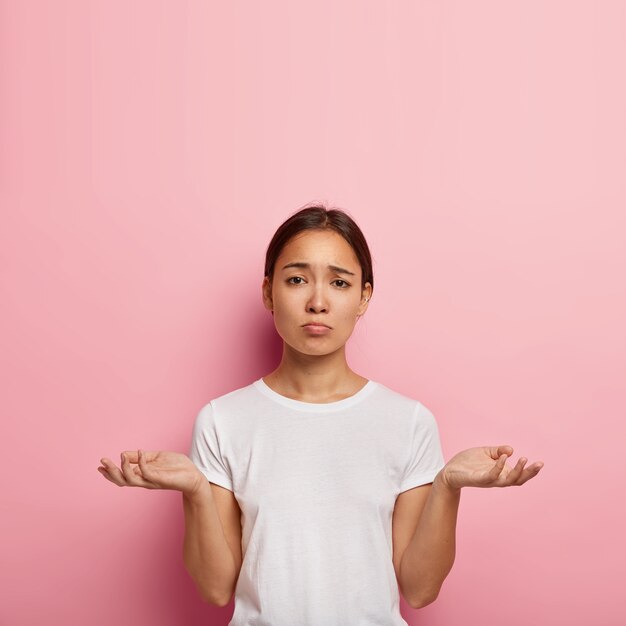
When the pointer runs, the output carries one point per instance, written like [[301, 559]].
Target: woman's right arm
[[207, 554]]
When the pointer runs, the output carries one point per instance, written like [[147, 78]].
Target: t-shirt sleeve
[[205, 449], [425, 456]]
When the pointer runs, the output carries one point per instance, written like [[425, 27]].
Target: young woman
[[313, 493]]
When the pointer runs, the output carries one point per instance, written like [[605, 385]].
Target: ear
[[366, 295], [266, 293]]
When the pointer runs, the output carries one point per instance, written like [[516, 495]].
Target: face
[[322, 285]]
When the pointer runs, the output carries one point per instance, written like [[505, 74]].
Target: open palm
[[153, 470], [486, 467]]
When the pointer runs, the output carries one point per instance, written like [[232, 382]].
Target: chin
[[321, 350]]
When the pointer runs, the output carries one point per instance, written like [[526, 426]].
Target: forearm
[[207, 555], [429, 556]]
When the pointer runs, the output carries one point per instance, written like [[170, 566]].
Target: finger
[[515, 474], [139, 478], [147, 471], [131, 455], [128, 471], [105, 474], [496, 470], [113, 473], [143, 465], [530, 472]]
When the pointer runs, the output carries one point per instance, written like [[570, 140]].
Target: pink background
[[148, 152]]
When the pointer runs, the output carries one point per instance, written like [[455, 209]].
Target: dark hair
[[318, 217]]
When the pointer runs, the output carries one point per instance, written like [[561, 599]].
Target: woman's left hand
[[487, 467]]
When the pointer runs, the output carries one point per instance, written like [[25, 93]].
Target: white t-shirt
[[316, 484]]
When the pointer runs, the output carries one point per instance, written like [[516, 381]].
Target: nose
[[317, 302]]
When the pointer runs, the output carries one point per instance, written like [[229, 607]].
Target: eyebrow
[[335, 268]]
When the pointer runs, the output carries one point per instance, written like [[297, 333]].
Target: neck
[[313, 378]]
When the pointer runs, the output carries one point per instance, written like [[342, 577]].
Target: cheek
[[283, 318], [348, 315], [350, 308]]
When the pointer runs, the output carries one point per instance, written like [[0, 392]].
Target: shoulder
[[397, 402], [234, 402]]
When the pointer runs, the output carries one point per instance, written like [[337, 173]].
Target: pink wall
[[149, 150]]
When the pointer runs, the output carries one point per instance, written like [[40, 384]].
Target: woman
[[313, 493]]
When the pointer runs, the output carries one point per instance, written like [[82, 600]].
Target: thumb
[[495, 452], [143, 465]]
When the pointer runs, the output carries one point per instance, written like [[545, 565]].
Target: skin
[[313, 368]]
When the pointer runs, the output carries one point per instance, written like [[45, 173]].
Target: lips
[[316, 329]]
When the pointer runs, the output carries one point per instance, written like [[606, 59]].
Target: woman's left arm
[[429, 555]]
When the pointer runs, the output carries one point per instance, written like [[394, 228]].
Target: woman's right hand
[[154, 470]]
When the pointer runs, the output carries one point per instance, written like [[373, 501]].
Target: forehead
[[323, 246]]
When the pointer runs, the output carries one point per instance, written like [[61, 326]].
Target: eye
[[346, 285], [292, 278]]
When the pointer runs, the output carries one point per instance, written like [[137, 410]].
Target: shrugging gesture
[[486, 467]]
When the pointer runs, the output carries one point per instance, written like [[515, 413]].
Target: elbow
[[424, 600], [212, 599], [218, 603], [208, 594], [429, 591], [205, 594], [223, 601]]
